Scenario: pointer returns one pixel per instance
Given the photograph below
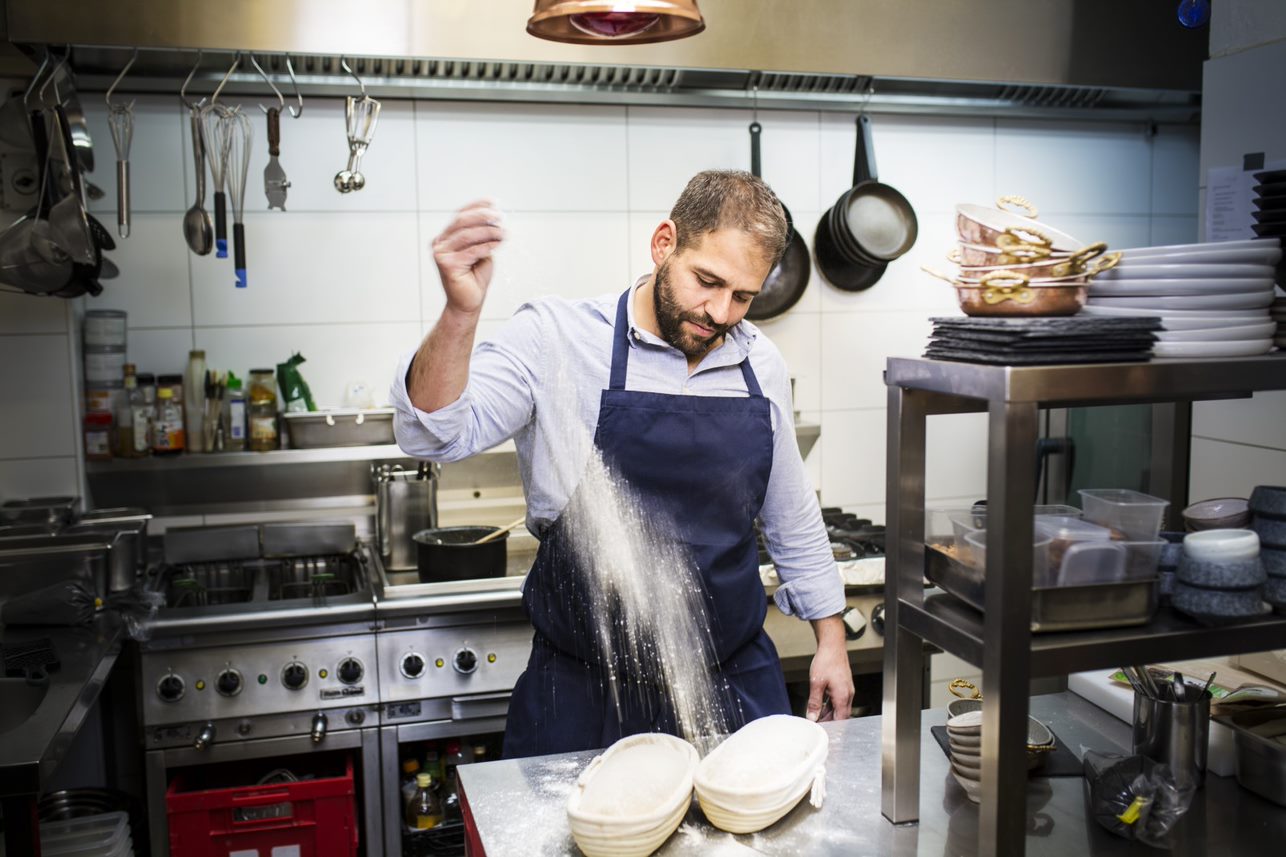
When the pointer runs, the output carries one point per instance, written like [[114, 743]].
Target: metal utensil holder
[[1174, 733], [406, 501]]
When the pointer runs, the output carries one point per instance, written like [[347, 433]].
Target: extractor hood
[[1087, 58]]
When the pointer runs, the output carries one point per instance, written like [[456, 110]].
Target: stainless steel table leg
[[158, 829], [903, 579], [372, 802], [1011, 481], [391, 788]]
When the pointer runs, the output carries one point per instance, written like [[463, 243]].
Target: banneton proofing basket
[[629, 800], [761, 772]]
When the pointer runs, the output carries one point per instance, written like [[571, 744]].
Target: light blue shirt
[[539, 381]]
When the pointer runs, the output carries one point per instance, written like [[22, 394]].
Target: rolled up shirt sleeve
[[791, 521], [497, 402]]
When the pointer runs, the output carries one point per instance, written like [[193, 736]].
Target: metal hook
[[236, 61], [26, 96], [344, 64], [117, 81], [754, 94], [870, 93], [294, 114], [183, 90], [53, 78], [281, 100]]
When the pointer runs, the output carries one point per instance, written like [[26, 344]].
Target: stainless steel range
[[449, 655], [285, 639], [265, 649]]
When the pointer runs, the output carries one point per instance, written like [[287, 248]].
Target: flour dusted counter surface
[[518, 807]]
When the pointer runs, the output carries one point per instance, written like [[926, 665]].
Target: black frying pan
[[786, 282], [839, 271], [872, 222]]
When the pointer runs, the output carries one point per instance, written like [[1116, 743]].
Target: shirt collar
[[739, 339]]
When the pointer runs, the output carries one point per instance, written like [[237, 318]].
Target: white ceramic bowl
[[972, 787], [764, 768], [629, 800], [1221, 546]]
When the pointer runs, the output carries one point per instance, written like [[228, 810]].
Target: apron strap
[[621, 352], [621, 343]]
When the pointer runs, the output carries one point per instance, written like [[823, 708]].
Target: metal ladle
[[198, 228]]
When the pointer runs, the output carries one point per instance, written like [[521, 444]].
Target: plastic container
[[315, 816], [104, 365], [104, 328], [1041, 573], [103, 835], [965, 521], [1066, 532], [1134, 514]]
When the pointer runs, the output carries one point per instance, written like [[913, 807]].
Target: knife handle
[[274, 131]]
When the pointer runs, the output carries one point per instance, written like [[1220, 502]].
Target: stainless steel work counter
[[519, 805], [39, 727]]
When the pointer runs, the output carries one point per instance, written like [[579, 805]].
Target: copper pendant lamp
[[594, 22]]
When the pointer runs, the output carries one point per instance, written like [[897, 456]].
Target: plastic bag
[[1134, 797], [66, 603], [295, 395], [137, 608]]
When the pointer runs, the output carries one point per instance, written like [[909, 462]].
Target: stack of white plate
[[1213, 299], [1278, 314]]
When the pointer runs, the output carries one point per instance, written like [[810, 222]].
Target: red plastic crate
[[318, 817]]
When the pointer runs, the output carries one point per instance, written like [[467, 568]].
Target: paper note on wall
[[1230, 201]]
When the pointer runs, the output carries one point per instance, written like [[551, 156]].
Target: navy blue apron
[[705, 461]]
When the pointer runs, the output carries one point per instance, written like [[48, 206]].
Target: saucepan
[[1089, 260], [455, 553], [1003, 228], [1003, 294], [787, 280]]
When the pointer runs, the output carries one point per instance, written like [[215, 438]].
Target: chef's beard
[[670, 317]]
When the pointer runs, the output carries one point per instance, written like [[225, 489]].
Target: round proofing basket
[[639, 834], [739, 808]]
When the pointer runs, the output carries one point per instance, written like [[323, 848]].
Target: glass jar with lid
[[261, 413]]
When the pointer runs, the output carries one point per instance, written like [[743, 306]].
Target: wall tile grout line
[[419, 218]]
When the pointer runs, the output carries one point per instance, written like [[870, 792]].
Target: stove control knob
[[294, 675], [228, 683], [412, 665], [350, 670], [466, 661], [318, 729], [205, 737], [170, 688]]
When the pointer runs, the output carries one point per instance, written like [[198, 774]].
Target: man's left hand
[[830, 674]]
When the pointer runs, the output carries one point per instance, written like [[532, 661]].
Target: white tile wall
[[349, 280], [37, 419]]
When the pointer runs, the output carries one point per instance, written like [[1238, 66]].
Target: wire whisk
[[240, 135], [217, 145]]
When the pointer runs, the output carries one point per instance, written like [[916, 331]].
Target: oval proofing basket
[[758, 775], [631, 798]]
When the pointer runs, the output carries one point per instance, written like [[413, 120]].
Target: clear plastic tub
[[965, 521], [1135, 515], [1041, 573], [1066, 533], [1092, 562], [104, 835]]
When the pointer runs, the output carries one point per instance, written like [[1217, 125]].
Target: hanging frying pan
[[786, 282], [839, 271], [872, 222]]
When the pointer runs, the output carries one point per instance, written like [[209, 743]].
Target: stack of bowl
[[1220, 577], [1222, 513], [1213, 299], [964, 740], [1011, 264], [1268, 510]]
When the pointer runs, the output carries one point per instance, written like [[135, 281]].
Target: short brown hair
[[720, 199]]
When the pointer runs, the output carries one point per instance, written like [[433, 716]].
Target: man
[[687, 402]]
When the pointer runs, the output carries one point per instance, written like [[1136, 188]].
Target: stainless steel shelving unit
[[1001, 643]]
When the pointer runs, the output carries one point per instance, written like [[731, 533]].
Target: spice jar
[[262, 412], [98, 436], [167, 433]]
